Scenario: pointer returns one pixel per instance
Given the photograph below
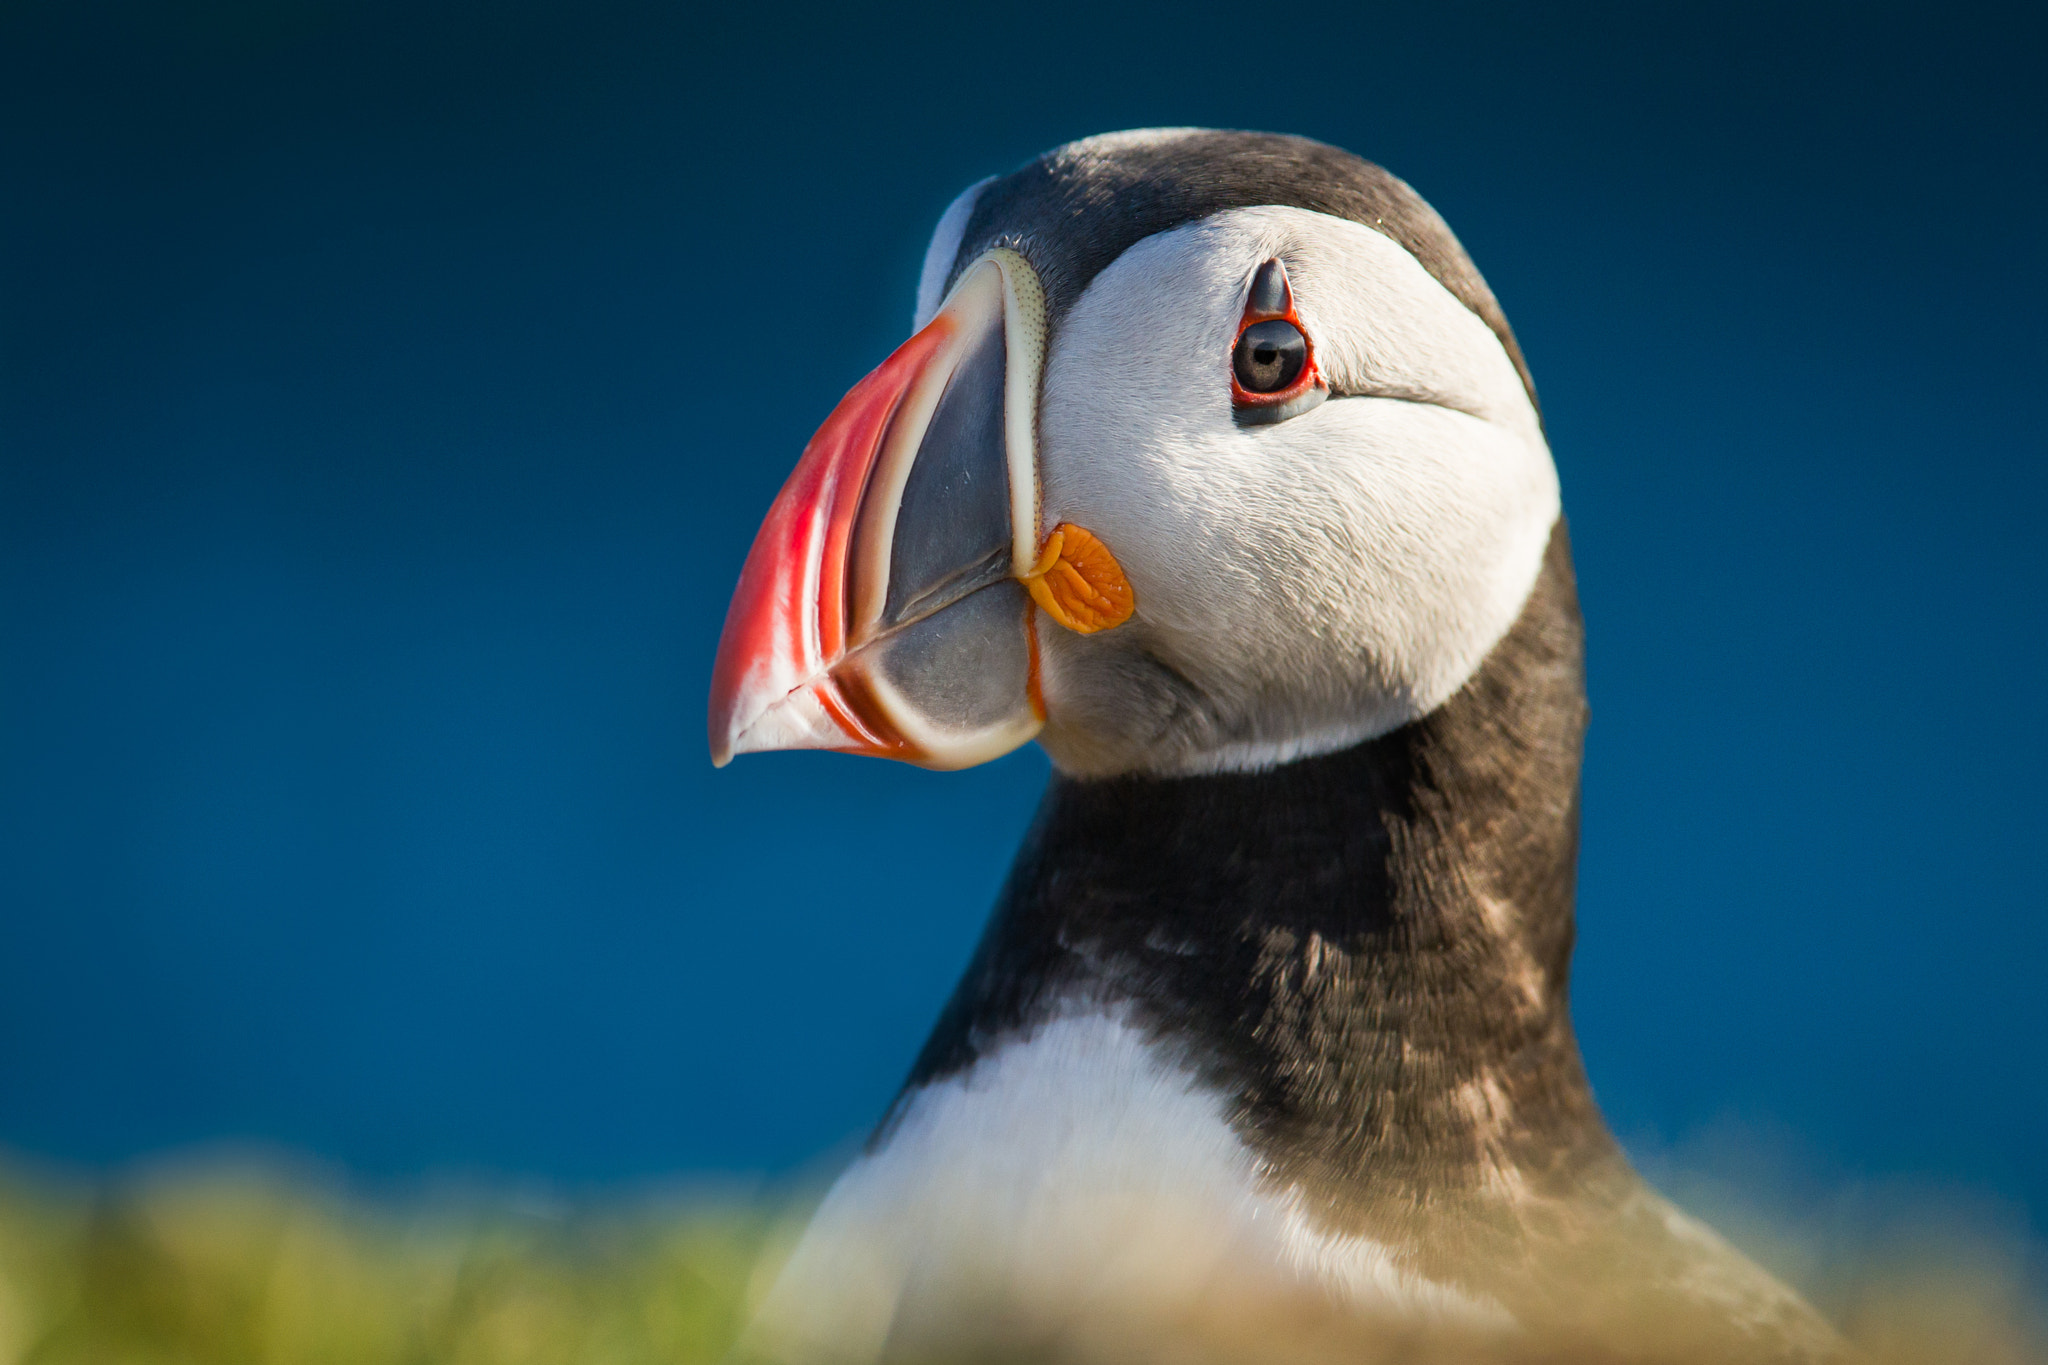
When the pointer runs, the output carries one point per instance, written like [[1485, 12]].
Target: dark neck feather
[[1366, 956], [1367, 953]]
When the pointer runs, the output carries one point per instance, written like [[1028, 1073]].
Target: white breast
[[1072, 1179]]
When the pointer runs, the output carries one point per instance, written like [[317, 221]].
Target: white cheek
[[1382, 324], [1328, 578], [1433, 533]]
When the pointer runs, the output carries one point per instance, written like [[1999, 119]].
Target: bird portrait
[[1213, 465], [1158, 684]]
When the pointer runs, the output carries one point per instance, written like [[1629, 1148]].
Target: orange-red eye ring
[[1270, 286]]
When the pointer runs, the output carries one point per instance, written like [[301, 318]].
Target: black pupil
[[1269, 356]]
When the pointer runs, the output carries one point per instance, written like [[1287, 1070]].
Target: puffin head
[[1210, 451]]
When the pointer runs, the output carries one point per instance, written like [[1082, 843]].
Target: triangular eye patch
[[1270, 297]]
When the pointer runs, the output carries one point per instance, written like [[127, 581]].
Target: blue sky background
[[388, 396]]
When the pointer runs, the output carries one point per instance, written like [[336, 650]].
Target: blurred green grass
[[252, 1262], [245, 1264]]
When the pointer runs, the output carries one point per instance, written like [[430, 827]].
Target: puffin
[[1213, 466]]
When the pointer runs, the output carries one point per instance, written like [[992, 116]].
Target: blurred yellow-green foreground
[[232, 1266], [249, 1264]]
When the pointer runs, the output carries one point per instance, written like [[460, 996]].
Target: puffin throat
[[1365, 953]]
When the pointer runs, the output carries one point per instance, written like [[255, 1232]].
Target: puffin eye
[[1269, 356], [1273, 374]]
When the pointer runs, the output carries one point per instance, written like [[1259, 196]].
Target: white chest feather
[[1072, 1176]]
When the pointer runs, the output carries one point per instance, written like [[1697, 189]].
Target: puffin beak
[[884, 607]]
